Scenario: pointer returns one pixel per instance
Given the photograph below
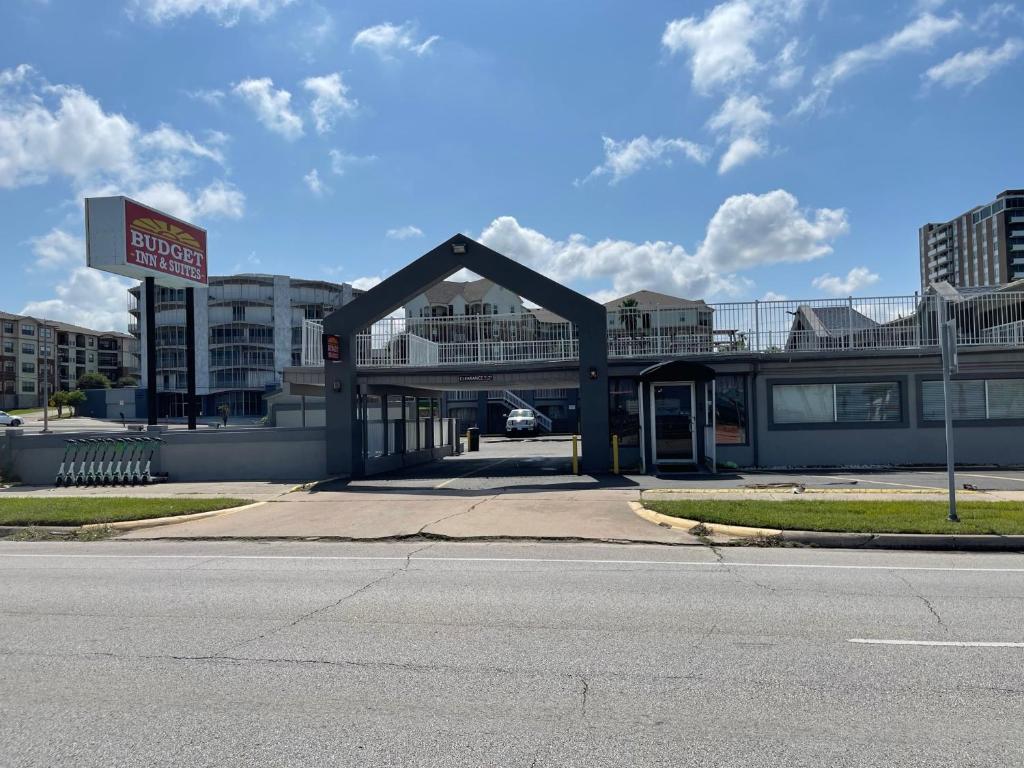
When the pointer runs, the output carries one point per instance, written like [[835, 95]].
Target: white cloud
[[341, 161], [741, 116], [856, 279], [747, 231], [722, 45], [214, 97], [387, 40], [330, 100], [366, 283], [90, 298], [316, 186], [272, 106], [740, 151], [788, 72], [773, 296], [624, 158], [57, 248], [404, 233], [742, 119], [919, 35], [227, 12], [60, 131], [970, 68], [216, 200]]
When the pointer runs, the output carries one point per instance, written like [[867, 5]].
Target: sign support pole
[[151, 350], [190, 356], [947, 344]]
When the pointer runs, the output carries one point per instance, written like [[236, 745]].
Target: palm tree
[[630, 315]]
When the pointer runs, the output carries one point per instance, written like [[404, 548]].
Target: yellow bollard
[[615, 454], [575, 457]]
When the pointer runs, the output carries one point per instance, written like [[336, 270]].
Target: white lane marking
[[863, 479], [991, 477], [945, 643], [567, 561], [471, 472]]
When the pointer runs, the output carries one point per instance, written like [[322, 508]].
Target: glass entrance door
[[673, 422]]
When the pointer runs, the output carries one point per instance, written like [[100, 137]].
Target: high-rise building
[[982, 247], [31, 348], [248, 330]]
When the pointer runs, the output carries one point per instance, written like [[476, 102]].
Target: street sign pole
[[947, 343]]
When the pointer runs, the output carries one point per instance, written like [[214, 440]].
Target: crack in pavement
[[423, 528], [928, 603], [343, 599]]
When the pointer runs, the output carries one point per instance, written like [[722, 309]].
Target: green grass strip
[[976, 517], [97, 509]]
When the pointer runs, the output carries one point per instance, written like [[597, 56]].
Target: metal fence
[[883, 322]]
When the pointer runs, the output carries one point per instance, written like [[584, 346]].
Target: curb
[[153, 522], [846, 540], [811, 491]]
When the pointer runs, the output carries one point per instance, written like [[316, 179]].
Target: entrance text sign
[[477, 377], [130, 239]]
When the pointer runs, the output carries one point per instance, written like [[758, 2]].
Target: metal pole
[[151, 350], [190, 356], [946, 341]]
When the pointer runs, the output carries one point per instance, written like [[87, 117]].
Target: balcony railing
[[887, 322]]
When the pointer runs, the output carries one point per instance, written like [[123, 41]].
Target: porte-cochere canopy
[[344, 447]]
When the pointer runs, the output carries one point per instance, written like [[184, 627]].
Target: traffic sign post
[[950, 365]]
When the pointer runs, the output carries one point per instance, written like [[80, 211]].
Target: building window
[[28, 349], [28, 330], [731, 410], [8, 327], [624, 411], [8, 347], [238, 313], [837, 403], [974, 400], [28, 387], [92, 358], [28, 367]]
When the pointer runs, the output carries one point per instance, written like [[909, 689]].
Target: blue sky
[[730, 151]]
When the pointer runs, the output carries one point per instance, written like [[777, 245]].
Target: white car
[[6, 420], [521, 420]]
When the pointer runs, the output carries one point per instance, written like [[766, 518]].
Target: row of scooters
[[109, 461]]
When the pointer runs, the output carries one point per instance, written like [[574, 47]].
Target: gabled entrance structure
[[344, 438]]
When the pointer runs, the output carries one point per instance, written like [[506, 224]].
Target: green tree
[[75, 398], [630, 314], [93, 380], [126, 381], [58, 401]]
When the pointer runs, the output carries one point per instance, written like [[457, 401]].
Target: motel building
[[681, 385]]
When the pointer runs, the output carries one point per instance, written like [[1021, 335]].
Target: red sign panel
[[157, 242], [332, 348]]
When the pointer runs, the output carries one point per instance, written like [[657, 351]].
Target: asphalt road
[[211, 654]]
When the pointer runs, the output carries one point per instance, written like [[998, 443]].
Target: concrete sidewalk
[[593, 515], [237, 490]]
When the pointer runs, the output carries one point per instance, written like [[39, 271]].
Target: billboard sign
[[131, 239]]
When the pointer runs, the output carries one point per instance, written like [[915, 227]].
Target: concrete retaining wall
[[279, 455]]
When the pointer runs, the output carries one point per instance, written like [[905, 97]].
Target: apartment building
[[34, 350], [248, 330], [981, 247]]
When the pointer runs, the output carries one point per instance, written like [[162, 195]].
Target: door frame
[[693, 423]]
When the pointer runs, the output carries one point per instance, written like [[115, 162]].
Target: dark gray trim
[[903, 423], [923, 423]]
